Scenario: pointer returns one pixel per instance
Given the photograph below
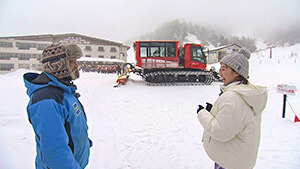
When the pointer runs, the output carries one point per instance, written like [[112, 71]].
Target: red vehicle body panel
[[188, 61]]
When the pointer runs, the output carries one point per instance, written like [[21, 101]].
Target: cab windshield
[[197, 55]]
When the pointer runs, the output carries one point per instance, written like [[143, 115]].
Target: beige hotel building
[[26, 51]]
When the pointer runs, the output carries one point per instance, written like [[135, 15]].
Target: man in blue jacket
[[56, 115]]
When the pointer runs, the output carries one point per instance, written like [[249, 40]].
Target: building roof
[[90, 59], [225, 46], [67, 36]]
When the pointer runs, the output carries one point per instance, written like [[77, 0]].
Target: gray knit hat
[[55, 60], [238, 61]]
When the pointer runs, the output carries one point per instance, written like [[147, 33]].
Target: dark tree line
[[179, 30]]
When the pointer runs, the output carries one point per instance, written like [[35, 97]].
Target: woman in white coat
[[232, 125]]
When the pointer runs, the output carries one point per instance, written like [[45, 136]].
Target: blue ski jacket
[[59, 123]]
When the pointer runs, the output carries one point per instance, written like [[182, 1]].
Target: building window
[[24, 46], [24, 56], [24, 66], [100, 56], [34, 65], [113, 57], [42, 46], [6, 44], [6, 66], [113, 49], [88, 48], [39, 57], [88, 56], [101, 49], [5, 56]]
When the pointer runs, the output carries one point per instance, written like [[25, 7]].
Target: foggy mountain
[[289, 36], [179, 30]]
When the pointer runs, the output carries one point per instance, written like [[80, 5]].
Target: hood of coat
[[34, 81], [255, 96]]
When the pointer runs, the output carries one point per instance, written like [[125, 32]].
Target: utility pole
[[270, 51]]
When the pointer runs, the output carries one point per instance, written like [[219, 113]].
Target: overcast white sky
[[120, 20]]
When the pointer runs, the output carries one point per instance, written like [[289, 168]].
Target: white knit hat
[[238, 61]]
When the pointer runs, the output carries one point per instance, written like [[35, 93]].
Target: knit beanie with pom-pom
[[238, 61]]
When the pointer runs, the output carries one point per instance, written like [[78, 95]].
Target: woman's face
[[227, 74]]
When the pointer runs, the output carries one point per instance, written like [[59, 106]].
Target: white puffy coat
[[232, 128]]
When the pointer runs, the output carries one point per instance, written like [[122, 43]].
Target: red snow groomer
[[163, 63]]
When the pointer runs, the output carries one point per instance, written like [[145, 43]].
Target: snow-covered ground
[[143, 127]]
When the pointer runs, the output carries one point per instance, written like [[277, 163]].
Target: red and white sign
[[286, 89]]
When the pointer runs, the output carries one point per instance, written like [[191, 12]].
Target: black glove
[[91, 143], [200, 108], [208, 106]]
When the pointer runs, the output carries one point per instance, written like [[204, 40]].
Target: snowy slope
[[142, 127]]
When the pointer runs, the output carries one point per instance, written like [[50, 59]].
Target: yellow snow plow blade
[[122, 78]]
